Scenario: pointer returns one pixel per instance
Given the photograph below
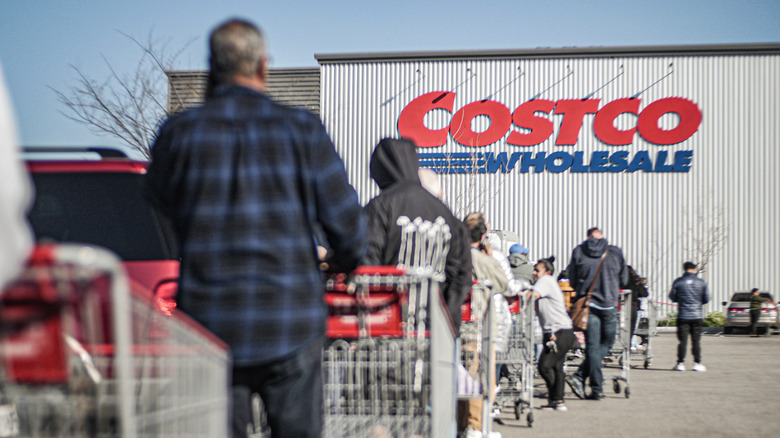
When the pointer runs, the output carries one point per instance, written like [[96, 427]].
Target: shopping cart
[[617, 363], [646, 329], [85, 354], [389, 366], [517, 364], [478, 355]]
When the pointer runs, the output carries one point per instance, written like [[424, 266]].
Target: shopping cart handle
[[42, 254], [378, 270]]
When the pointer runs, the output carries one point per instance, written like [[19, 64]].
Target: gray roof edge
[[577, 52], [272, 69]]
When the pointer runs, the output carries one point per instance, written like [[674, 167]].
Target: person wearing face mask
[[597, 266]]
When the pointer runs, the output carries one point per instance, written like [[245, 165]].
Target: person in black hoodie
[[602, 320], [394, 168]]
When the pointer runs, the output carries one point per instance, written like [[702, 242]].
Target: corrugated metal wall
[[659, 219]]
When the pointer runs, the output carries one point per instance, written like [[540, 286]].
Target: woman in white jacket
[[557, 336], [16, 194]]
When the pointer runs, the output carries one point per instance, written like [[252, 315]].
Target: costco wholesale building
[[672, 151]]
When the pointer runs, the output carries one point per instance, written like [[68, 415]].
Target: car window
[[742, 296], [98, 208], [745, 296]]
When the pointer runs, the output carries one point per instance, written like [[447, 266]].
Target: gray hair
[[237, 47], [430, 181]]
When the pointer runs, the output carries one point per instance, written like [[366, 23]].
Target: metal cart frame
[[113, 364], [520, 361]]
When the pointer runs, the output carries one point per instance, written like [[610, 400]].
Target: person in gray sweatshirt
[[557, 333]]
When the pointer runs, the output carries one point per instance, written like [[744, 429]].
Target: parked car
[[94, 196], [738, 312]]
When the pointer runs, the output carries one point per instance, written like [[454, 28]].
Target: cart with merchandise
[[85, 354], [646, 329], [389, 365], [517, 365]]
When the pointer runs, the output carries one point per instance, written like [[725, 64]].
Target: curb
[[704, 330]]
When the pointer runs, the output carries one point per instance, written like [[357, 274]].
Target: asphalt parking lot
[[739, 395]]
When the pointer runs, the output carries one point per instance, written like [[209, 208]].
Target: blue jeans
[[599, 337]]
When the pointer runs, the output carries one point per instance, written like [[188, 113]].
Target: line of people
[[247, 184], [253, 188]]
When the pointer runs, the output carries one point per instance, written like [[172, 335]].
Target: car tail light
[[734, 309]]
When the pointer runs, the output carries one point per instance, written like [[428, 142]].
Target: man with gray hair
[[247, 183]]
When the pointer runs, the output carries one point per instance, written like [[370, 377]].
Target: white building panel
[[726, 201]]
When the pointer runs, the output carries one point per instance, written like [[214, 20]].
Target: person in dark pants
[[755, 310], [248, 183], [691, 293], [602, 316], [557, 333]]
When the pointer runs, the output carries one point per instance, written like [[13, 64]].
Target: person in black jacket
[[690, 293], [756, 301], [394, 168], [602, 319]]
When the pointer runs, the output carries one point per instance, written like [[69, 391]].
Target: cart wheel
[[616, 386], [627, 392], [518, 410], [530, 418]]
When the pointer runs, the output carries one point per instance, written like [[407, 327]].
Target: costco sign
[[530, 124]]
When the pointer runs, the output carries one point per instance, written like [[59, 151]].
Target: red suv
[[95, 196]]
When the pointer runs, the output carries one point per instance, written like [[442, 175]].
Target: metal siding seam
[[644, 202]]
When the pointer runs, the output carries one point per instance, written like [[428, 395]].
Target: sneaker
[[699, 367], [495, 412], [471, 433], [596, 396], [576, 386], [680, 367], [560, 406]]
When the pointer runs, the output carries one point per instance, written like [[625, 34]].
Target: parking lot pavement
[[738, 395]]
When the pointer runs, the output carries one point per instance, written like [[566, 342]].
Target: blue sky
[[41, 39]]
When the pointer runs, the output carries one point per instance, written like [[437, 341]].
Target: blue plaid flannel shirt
[[244, 181]]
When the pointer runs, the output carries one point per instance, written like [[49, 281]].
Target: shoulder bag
[[580, 310]]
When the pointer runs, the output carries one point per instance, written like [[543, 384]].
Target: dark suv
[[94, 196]]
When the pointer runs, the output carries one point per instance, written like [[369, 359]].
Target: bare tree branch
[[707, 233], [129, 107]]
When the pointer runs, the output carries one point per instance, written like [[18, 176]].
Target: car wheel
[[728, 330]]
